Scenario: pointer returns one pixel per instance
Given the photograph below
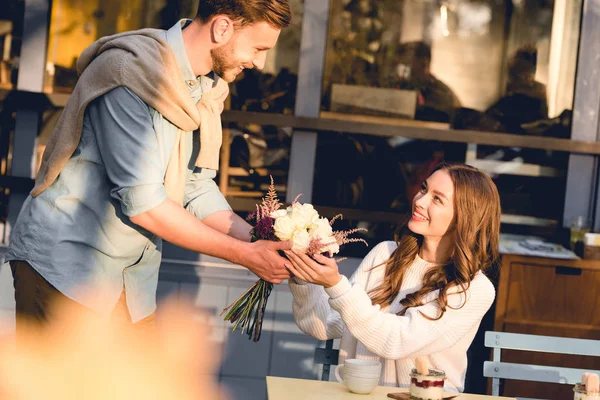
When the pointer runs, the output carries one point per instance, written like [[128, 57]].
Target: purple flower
[[264, 229]]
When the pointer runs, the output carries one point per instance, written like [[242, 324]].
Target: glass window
[[11, 31], [76, 24], [373, 180], [498, 66], [494, 66], [6, 133]]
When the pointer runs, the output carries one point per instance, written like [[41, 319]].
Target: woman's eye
[[437, 198], [423, 189]]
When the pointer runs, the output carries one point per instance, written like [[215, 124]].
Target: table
[[304, 389]]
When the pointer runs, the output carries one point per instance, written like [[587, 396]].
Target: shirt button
[[191, 83], [148, 247]]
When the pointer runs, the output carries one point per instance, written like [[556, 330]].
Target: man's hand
[[167, 219], [263, 259]]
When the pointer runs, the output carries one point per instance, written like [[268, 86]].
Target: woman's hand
[[322, 271]]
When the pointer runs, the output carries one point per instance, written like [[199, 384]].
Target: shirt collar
[[175, 40]]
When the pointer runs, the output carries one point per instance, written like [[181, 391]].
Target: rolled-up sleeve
[[129, 148], [202, 195]]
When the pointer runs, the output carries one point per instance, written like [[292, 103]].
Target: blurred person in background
[[412, 71], [525, 99], [124, 169]]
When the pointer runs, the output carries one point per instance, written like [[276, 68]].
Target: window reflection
[[476, 64], [481, 65], [76, 24], [6, 131], [11, 30]]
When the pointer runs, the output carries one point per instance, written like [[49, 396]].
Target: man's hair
[[277, 13]]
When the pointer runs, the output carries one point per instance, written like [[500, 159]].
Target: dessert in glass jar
[[428, 386]]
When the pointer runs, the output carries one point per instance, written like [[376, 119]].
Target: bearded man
[[125, 169]]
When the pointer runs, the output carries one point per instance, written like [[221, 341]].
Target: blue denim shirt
[[77, 233]]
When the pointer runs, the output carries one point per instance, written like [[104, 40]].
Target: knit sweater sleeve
[[412, 335], [312, 312]]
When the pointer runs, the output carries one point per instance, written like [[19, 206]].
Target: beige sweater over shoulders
[[144, 62]]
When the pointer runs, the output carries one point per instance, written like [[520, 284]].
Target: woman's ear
[[222, 28]]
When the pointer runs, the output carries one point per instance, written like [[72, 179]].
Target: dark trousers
[[36, 300]]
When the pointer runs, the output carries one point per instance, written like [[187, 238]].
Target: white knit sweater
[[369, 332]]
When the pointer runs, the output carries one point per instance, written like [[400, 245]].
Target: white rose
[[333, 248], [321, 229], [312, 216], [299, 220], [298, 216], [284, 228], [301, 240], [278, 214], [324, 233]]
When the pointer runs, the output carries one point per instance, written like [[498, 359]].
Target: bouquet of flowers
[[308, 232]]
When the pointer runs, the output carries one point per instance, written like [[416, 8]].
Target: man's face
[[247, 48]]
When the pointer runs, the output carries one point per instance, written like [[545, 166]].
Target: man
[[122, 169], [435, 100]]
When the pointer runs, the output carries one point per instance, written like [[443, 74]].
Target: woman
[[423, 295]]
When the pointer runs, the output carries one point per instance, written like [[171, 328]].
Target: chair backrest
[[327, 356], [496, 369]]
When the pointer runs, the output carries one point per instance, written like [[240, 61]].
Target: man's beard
[[223, 63]]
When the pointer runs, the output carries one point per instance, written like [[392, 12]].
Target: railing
[[381, 126]]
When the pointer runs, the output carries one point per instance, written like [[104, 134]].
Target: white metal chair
[[496, 369]]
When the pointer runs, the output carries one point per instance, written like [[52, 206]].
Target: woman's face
[[433, 207]]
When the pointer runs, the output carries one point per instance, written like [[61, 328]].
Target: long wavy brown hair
[[476, 234]]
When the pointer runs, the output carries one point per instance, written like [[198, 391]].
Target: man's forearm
[[229, 223], [176, 225]]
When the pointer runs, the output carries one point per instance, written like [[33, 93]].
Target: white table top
[[304, 389]]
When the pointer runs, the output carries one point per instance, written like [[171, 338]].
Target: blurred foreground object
[[83, 356]]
